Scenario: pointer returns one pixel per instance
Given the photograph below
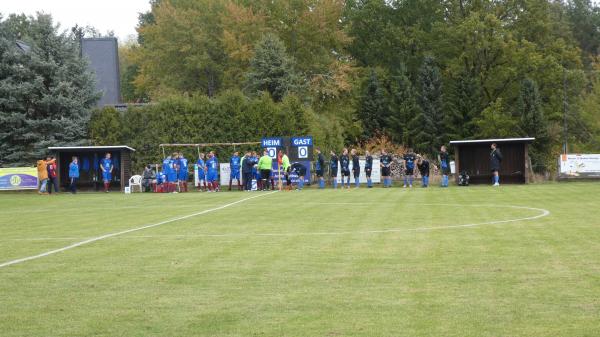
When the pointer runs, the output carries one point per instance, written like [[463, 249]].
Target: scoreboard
[[297, 148]]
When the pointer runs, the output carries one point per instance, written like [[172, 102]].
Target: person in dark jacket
[[52, 176], [300, 170], [355, 167], [345, 168], [333, 168], [495, 161], [148, 178], [247, 170], [320, 167], [368, 168], [423, 166], [444, 160]]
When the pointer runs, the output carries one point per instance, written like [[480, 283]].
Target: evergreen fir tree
[[374, 110], [272, 70], [463, 105], [404, 107], [428, 127], [533, 123], [46, 91]]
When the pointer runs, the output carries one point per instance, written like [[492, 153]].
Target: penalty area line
[[110, 235]]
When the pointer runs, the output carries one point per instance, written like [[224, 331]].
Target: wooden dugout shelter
[[90, 175], [473, 156]]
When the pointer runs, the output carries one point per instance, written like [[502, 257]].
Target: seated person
[[148, 178]]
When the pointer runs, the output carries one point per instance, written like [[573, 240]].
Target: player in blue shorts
[[235, 164], [368, 168], [201, 169], [106, 165], [355, 168], [423, 166], [385, 162], [300, 170], [345, 168], [172, 174], [409, 167], [320, 167], [212, 172], [167, 167], [333, 168], [183, 173], [495, 161], [444, 160]]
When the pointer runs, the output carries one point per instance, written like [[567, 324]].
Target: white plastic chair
[[135, 181]]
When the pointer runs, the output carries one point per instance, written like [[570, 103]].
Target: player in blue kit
[[385, 162], [333, 168], [235, 165], [183, 173], [173, 172], [409, 167], [320, 167], [368, 168], [201, 169], [444, 159], [423, 166], [167, 168], [355, 168], [106, 166], [345, 168], [212, 172]]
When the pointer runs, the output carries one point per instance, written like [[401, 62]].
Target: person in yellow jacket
[[287, 167], [265, 164], [42, 170]]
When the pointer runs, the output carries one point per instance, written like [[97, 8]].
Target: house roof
[[90, 148], [498, 140]]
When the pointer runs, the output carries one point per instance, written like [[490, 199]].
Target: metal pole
[[565, 111]]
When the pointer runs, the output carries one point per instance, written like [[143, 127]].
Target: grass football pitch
[[476, 261]]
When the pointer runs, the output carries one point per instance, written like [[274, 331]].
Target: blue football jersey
[[106, 164]]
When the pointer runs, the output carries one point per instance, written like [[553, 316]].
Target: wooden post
[[456, 162]]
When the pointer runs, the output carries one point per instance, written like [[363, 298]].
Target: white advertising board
[[579, 166]]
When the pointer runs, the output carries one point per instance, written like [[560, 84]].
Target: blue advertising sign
[[293, 176], [18, 178], [302, 141]]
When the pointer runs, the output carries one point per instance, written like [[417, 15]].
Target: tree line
[[420, 73]]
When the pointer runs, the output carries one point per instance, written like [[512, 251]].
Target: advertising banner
[[375, 172], [18, 178], [579, 166]]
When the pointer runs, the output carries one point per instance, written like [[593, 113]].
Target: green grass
[[305, 264]]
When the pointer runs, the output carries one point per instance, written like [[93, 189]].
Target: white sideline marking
[[106, 236]]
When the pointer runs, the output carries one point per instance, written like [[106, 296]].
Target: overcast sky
[[120, 16]]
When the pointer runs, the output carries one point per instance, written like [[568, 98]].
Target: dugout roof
[[91, 148]]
